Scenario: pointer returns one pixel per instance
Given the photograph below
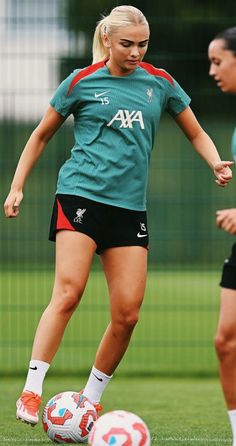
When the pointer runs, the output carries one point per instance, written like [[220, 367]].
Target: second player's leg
[[125, 269], [74, 255], [225, 343]]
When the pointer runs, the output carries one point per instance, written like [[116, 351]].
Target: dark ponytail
[[229, 37]]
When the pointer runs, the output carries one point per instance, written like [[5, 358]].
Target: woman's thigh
[[74, 256], [126, 270]]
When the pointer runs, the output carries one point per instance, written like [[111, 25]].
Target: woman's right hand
[[12, 203]]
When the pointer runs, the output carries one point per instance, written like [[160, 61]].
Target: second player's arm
[[204, 146], [31, 153]]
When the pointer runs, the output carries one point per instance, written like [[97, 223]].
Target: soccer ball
[[119, 428], [68, 418]]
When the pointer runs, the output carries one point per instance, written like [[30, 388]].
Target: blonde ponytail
[[100, 51], [120, 16]]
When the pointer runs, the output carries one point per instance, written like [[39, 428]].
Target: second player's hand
[[223, 173], [226, 219], [12, 203]]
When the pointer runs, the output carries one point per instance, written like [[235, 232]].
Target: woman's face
[[222, 66], [128, 46]]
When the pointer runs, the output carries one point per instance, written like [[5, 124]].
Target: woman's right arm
[[32, 151]]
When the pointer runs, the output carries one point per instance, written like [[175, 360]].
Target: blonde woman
[[100, 203], [222, 56]]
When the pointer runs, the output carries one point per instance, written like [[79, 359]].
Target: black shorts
[[228, 279], [109, 226]]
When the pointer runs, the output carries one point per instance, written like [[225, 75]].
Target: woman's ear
[[106, 41]]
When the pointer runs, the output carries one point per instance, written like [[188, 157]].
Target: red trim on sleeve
[[156, 71], [62, 221], [85, 72]]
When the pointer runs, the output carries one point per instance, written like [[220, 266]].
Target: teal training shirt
[[234, 144], [115, 122]]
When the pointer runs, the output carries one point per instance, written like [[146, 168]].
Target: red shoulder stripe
[[156, 71], [83, 73]]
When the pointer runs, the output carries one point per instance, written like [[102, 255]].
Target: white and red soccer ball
[[119, 428], [68, 418]]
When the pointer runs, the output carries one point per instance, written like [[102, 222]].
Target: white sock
[[36, 373], [96, 384], [232, 417]]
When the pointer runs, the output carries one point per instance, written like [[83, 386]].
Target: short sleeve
[[177, 99], [63, 101]]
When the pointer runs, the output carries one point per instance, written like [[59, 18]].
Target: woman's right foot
[[27, 408]]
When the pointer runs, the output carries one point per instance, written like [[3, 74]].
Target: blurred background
[[41, 42]]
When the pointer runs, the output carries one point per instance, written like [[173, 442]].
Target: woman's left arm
[[204, 146]]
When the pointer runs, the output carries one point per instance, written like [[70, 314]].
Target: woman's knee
[[225, 344], [66, 296], [126, 320]]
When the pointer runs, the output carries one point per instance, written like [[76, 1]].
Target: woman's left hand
[[226, 219], [223, 172]]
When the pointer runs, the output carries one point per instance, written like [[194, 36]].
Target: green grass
[[178, 411], [174, 334]]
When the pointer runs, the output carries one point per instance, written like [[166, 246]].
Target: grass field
[[174, 334], [168, 376], [188, 412]]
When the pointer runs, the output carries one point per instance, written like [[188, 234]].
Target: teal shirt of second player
[[115, 122], [234, 145]]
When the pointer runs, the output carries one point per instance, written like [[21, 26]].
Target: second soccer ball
[[120, 428]]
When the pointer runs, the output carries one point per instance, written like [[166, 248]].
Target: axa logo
[[127, 119]]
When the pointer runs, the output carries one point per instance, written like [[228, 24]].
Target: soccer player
[[100, 203], [222, 55]]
